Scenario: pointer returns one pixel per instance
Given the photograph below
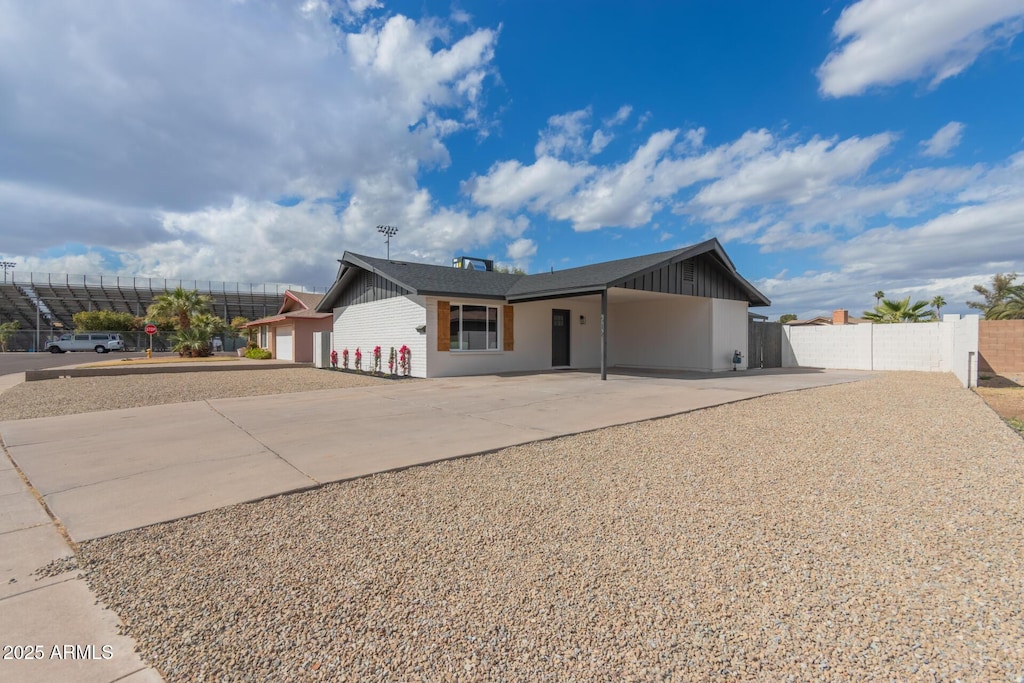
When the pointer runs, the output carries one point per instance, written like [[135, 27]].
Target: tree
[[195, 340], [96, 321], [1000, 284], [891, 311], [879, 295], [180, 304], [1010, 307], [237, 326], [937, 303], [514, 270], [209, 323], [8, 330], [192, 342], [786, 317]]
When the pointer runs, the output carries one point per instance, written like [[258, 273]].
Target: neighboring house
[[684, 309], [839, 317], [289, 334]]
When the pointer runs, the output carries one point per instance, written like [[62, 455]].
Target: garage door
[[284, 345]]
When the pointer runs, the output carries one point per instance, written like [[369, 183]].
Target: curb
[[58, 373]]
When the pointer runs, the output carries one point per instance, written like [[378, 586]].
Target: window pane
[[492, 327], [474, 327], [456, 341]]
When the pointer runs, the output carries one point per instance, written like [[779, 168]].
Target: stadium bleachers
[[61, 296], [14, 305]]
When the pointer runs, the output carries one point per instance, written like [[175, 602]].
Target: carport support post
[[604, 334]]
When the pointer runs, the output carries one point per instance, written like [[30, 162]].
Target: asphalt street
[[20, 361]]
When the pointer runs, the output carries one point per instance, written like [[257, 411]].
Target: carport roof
[[433, 280]]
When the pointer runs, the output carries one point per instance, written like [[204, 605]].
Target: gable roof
[[299, 301], [294, 305], [429, 279], [433, 280]]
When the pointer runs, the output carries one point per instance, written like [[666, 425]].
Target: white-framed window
[[474, 327], [264, 336]]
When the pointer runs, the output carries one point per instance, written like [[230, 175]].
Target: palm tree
[[1010, 307], [192, 342], [937, 303], [891, 311], [181, 304], [1001, 284], [879, 295]]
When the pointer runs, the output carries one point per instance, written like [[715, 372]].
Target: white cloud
[[944, 140], [794, 176], [170, 128], [984, 235], [917, 192], [521, 250], [619, 195], [885, 42], [695, 137], [945, 255], [621, 116], [565, 134], [509, 185], [599, 141]]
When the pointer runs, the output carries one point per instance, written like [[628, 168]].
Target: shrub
[[258, 354]]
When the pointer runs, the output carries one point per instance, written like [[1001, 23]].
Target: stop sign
[[150, 329]]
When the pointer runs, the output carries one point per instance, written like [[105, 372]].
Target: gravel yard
[[872, 530], [88, 394]]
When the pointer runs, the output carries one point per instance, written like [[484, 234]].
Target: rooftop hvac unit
[[472, 263]]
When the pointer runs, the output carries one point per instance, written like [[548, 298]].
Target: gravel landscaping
[[862, 531], [73, 395]]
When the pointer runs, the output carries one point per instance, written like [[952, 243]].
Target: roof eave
[[555, 294], [462, 295]]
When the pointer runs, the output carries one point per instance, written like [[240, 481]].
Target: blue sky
[[835, 148]]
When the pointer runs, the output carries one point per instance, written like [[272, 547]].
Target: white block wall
[[949, 346], [387, 323], [964, 355]]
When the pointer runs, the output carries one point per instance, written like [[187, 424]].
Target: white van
[[100, 342]]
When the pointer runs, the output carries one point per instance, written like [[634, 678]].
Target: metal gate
[[764, 345]]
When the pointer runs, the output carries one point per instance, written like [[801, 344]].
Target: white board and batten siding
[[384, 323]]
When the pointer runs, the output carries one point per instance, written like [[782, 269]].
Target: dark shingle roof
[[429, 279], [425, 278], [596, 276]]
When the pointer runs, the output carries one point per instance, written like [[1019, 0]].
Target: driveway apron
[[106, 472]]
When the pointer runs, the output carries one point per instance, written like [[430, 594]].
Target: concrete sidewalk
[[101, 473], [69, 635]]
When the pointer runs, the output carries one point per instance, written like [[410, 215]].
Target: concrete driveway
[[101, 473]]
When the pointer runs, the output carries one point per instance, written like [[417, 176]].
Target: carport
[[680, 310]]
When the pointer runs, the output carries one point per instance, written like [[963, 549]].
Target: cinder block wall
[[1001, 346], [949, 346]]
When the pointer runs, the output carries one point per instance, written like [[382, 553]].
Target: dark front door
[[559, 337]]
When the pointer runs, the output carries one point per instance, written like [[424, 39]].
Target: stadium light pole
[[7, 265], [388, 231]]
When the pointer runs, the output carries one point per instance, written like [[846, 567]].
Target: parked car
[[100, 342]]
